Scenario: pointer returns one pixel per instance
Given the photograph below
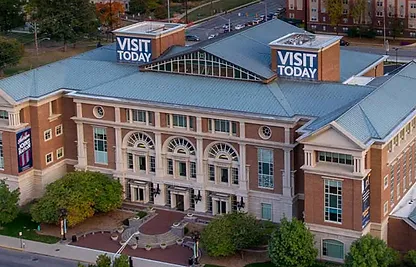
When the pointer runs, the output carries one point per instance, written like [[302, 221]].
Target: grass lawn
[[23, 223], [23, 38], [220, 6]]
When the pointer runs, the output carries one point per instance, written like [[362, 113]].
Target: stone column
[[146, 193], [14, 119], [82, 155], [186, 202], [242, 170], [172, 200], [119, 154], [201, 206], [286, 175], [200, 161], [214, 206], [158, 158]]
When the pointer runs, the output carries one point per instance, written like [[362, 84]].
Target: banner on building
[[133, 49], [24, 149], [297, 64], [366, 201]]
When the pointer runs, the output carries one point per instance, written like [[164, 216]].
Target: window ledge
[[100, 163], [332, 222], [54, 117], [267, 188]]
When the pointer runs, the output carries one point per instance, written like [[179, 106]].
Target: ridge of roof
[[280, 97], [369, 124]]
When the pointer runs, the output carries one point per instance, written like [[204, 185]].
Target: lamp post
[[21, 241], [195, 237], [265, 10], [63, 213], [396, 49]]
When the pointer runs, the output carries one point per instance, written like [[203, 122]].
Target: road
[[214, 25], [11, 258], [406, 54]]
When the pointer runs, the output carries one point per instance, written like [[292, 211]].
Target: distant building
[[399, 16]]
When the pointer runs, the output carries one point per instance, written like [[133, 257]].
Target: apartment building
[[269, 120], [398, 18]]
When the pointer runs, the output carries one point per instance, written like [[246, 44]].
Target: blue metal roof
[[353, 62], [412, 216]]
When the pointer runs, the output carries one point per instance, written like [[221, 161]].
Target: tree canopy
[[292, 245], [109, 13], [11, 14], [65, 20], [335, 10], [231, 232], [11, 51], [369, 251], [358, 10], [82, 194], [9, 204]]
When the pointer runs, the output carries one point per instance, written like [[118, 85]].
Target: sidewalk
[[70, 252]]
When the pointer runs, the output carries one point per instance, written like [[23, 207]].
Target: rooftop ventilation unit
[[299, 39]]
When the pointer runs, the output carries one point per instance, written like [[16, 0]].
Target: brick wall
[[89, 139], [329, 64], [252, 131], [401, 236]]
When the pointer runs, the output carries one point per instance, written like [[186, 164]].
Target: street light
[[265, 9], [396, 49], [21, 241]]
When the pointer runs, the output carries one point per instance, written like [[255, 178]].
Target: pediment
[[332, 137], [5, 100]]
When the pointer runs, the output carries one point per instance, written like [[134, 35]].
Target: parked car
[[240, 26], [228, 30], [270, 16], [255, 21], [192, 38], [213, 36], [342, 42], [249, 23], [280, 10], [225, 26]]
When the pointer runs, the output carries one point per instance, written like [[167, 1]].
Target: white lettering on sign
[[297, 64], [133, 49]]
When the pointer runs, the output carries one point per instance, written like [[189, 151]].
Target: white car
[[240, 26], [212, 36]]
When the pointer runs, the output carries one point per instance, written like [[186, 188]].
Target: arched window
[[333, 249], [141, 153], [181, 158], [223, 164]]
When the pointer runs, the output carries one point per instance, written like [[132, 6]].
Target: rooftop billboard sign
[[133, 49], [297, 64]]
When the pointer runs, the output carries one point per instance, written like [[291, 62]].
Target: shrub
[[410, 259], [82, 194], [9, 204], [141, 214], [225, 235], [122, 261], [292, 245], [369, 251]]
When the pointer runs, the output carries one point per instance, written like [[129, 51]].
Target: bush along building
[[357, 17], [269, 120]]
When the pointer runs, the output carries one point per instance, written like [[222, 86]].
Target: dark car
[[192, 38], [281, 10], [343, 43]]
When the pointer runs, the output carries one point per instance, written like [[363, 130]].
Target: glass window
[[335, 158], [333, 248], [130, 162], [58, 130], [49, 158], [392, 185], [179, 120], [47, 135], [170, 166], [333, 201], [142, 163], [266, 211], [222, 126], [60, 153], [4, 115], [224, 175], [152, 164], [211, 172], [100, 145], [138, 115], [193, 169], [1, 152], [182, 168], [235, 175], [265, 167]]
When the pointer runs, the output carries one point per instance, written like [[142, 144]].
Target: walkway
[[161, 223]]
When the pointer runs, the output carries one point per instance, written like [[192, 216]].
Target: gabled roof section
[[353, 62]]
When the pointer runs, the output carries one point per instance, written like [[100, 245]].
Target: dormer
[[306, 56]]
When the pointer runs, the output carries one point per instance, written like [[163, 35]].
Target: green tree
[[369, 251], [122, 261], [410, 259], [292, 245], [103, 261], [357, 10], [229, 233], [82, 194], [11, 14], [335, 9], [397, 27], [11, 51], [65, 20], [9, 204]]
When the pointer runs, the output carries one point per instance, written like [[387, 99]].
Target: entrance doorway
[[180, 205], [221, 206], [138, 194]]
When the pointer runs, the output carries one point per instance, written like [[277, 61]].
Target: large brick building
[[269, 120], [398, 17]]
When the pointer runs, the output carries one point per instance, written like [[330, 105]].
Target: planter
[[151, 209], [133, 246], [147, 247], [121, 242], [176, 224], [114, 237], [179, 241], [120, 229], [190, 215], [163, 246]]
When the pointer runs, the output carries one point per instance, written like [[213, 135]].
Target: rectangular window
[[130, 162], [1, 152], [392, 185], [224, 175], [138, 115], [170, 166], [53, 107], [266, 211], [193, 169], [235, 175], [58, 130], [60, 153], [333, 201], [4, 115], [386, 207], [182, 168], [47, 135], [179, 120], [398, 190], [266, 169], [100, 145], [222, 126], [386, 181], [142, 163], [49, 158], [211, 172], [152, 164], [333, 249], [335, 158]]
